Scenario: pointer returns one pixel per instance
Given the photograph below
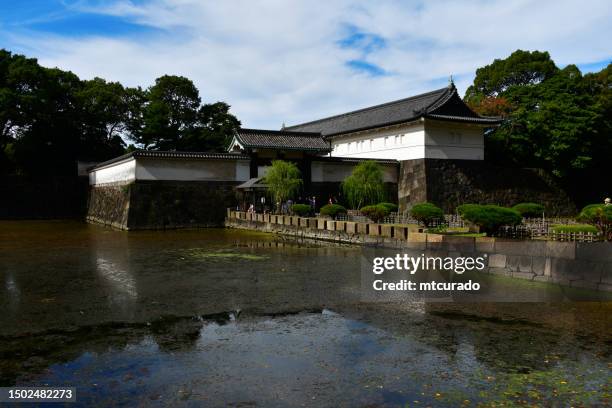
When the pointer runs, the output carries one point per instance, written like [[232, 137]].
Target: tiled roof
[[443, 101], [170, 155], [280, 139]]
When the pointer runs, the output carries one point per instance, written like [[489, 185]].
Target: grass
[[574, 228]]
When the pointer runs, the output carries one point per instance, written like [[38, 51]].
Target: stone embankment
[[576, 264]]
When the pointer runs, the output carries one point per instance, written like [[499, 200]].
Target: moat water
[[229, 318]]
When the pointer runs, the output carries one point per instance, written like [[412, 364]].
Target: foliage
[[365, 184], [50, 118], [600, 216], [489, 217], [375, 212], [556, 119], [301, 209], [529, 209], [426, 213], [283, 179], [390, 206], [574, 228], [332, 210], [171, 117]]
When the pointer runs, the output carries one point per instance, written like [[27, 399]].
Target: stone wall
[[161, 205], [573, 264], [449, 183], [109, 205]]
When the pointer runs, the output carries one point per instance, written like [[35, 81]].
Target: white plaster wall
[[428, 139], [337, 172], [191, 170], [401, 143], [444, 140], [121, 172]]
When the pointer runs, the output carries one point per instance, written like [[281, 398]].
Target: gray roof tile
[[443, 101], [279, 139]]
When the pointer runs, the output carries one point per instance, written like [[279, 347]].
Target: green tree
[[556, 119], [283, 179], [365, 185], [170, 116]]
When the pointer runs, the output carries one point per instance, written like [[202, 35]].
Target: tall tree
[[283, 179], [556, 119], [365, 185], [171, 117]]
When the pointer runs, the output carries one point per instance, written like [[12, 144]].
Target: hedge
[[426, 213], [390, 206], [301, 209], [489, 217], [332, 210], [529, 209], [375, 212]]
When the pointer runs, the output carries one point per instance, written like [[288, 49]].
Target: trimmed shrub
[[301, 209], [426, 213], [489, 217], [390, 206], [375, 212], [600, 216], [332, 210], [571, 228], [528, 210]]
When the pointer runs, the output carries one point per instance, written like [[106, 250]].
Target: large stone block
[[594, 251], [386, 230], [350, 227], [525, 263], [497, 261], [363, 228], [321, 223], [331, 225], [512, 262], [400, 233], [538, 265], [461, 244], [565, 250], [417, 241], [484, 244], [516, 247], [374, 230], [340, 226], [287, 220], [312, 223]]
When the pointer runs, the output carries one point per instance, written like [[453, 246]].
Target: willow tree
[[365, 185], [283, 179]]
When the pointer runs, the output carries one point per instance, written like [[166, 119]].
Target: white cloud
[[276, 61]]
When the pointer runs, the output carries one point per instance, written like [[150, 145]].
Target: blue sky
[[289, 61]]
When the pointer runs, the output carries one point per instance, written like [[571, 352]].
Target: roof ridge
[[382, 105], [281, 132]]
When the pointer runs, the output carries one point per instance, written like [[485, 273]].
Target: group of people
[[285, 207]]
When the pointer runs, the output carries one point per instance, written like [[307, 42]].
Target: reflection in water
[[230, 358], [219, 317], [124, 285]]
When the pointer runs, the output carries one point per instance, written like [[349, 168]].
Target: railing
[[531, 228], [527, 232]]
